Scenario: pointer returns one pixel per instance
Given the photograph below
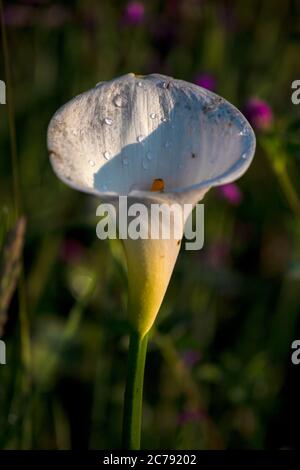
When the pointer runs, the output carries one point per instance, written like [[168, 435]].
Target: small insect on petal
[[158, 185]]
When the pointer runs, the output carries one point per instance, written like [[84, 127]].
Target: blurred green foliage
[[218, 372]]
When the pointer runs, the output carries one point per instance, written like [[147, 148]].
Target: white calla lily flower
[[124, 136]]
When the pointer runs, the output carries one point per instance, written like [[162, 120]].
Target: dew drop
[[153, 115], [140, 138], [108, 121], [91, 162], [149, 156], [118, 101], [244, 131], [106, 155]]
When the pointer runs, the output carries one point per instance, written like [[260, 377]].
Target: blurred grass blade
[[10, 267], [10, 113]]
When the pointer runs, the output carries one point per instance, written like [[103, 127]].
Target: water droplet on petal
[[119, 101], [125, 161], [106, 155], [140, 138], [145, 165], [91, 162], [108, 121], [149, 156], [153, 115], [244, 131]]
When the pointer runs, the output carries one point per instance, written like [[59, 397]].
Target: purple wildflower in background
[[206, 81], [191, 357], [28, 15], [34, 2], [228, 19], [18, 15], [71, 251], [134, 13], [191, 416], [55, 16], [231, 193], [259, 114], [218, 254]]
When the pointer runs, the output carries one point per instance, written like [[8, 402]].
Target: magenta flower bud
[[218, 254], [205, 80], [18, 15], [259, 114], [55, 16], [191, 416], [191, 357], [134, 13], [231, 193], [71, 251]]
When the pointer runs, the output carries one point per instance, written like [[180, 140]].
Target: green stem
[[132, 416], [278, 161], [289, 190]]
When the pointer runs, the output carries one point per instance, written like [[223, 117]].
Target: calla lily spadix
[[123, 135], [156, 140]]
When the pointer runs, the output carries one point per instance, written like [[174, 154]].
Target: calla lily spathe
[[121, 136]]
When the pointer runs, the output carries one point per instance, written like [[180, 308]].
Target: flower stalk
[[132, 414]]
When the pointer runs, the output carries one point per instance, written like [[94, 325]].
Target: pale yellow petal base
[[150, 266]]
